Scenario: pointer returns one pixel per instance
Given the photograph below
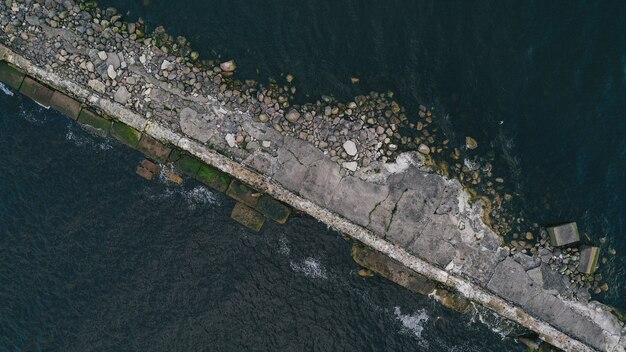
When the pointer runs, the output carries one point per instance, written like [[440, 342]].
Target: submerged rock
[[228, 66], [471, 143]]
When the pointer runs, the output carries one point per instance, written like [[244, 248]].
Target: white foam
[[6, 90], [412, 323], [283, 249], [310, 267], [194, 197]]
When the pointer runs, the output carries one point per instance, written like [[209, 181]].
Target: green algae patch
[[94, 123], [65, 105], [248, 217], [214, 178], [11, 75], [125, 134], [188, 165], [154, 149], [273, 209], [175, 155], [36, 91], [242, 193]]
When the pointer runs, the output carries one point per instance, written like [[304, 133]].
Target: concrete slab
[[588, 259], [248, 217], [356, 199], [125, 134], [36, 91], [243, 193], [321, 181], [563, 235], [213, 178], [511, 282], [273, 209], [65, 105], [94, 123], [153, 148], [10, 75]]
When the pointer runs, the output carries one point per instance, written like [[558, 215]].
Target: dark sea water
[[95, 258], [540, 84]]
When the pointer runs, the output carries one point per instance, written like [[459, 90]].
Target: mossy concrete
[[125, 134], [94, 122], [36, 91], [248, 217], [65, 104], [213, 177], [273, 209], [187, 164], [11, 75], [240, 192], [153, 148]]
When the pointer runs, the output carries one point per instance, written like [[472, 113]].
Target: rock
[[228, 66], [194, 56], [424, 149], [354, 80], [292, 116], [166, 65], [471, 143], [113, 60], [102, 55], [351, 165], [365, 273], [90, 67], [266, 144], [529, 236], [230, 139], [350, 147], [96, 85], [264, 118], [289, 78], [122, 95], [142, 59], [111, 72]]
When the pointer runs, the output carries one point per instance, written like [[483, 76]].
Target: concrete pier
[[399, 211]]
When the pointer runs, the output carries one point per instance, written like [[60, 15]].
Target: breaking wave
[[412, 324], [310, 267]]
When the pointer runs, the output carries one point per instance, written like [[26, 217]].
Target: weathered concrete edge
[[159, 132]]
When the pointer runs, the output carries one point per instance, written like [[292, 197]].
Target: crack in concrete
[[369, 215], [393, 211]]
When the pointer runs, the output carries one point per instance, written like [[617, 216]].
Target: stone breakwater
[[340, 163]]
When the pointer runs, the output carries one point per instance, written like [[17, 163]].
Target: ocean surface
[[93, 257]]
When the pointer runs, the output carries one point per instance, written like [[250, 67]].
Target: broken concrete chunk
[[563, 235]]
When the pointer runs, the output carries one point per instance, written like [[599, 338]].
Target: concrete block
[[273, 209], [11, 75], [563, 235], [65, 105], [153, 148], [94, 123], [242, 193], [248, 217], [125, 134], [213, 177], [188, 165], [588, 259], [36, 91]]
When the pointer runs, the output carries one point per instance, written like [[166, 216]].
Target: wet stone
[[65, 105], [94, 123], [36, 91], [153, 148], [213, 177], [242, 193], [150, 166], [248, 217], [11, 75], [563, 235], [273, 209]]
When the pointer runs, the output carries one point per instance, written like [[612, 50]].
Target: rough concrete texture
[[421, 220]]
